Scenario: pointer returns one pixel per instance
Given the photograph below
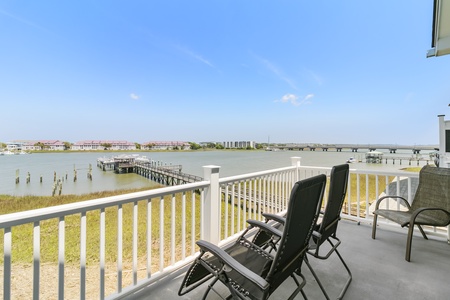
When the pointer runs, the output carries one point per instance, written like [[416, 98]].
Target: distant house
[[165, 145], [100, 145], [54, 145], [13, 146]]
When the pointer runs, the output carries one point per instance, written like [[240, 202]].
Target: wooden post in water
[[74, 174], [60, 186], [54, 176], [90, 172], [17, 176], [54, 188], [40, 179], [28, 177]]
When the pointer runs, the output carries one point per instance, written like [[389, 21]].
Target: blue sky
[[298, 71]]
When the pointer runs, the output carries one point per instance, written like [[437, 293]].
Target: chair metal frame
[[233, 267], [325, 231]]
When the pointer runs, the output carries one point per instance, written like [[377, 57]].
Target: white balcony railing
[[131, 240]]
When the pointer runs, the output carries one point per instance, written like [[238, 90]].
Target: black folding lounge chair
[[431, 205], [325, 231], [248, 271]]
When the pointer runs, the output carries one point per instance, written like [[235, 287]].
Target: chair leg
[[374, 225], [423, 232], [210, 287], [408, 243], [299, 287], [304, 295], [316, 277], [347, 284]]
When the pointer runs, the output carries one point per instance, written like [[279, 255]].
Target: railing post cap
[[213, 168]]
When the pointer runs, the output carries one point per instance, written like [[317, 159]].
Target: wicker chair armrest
[[418, 211], [232, 263], [274, 217], [265, 227], [392, 197]]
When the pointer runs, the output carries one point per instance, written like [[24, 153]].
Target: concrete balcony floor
[[379, 269]]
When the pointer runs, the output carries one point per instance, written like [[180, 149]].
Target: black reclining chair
[[325, 231], [247, 270]]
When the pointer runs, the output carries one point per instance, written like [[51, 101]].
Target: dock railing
[[111, 247]]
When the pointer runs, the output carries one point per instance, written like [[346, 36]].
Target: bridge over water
[[354, 147]]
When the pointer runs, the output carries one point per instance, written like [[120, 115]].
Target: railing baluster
[[36, 258], [7, 244], [232, 208], [102, 252], [183, 225], [260, 198], [255, 199], [358, 196], [272, 193], [135, 241], [377, 185], [172, 231], [119, 246], [265, 193], [244, 204], [61, 248], [226, 211], [398, 191], [193, 222], [149, 238], [161, 233], [367, 196], [349, 195], [239, 206], [83, 255]]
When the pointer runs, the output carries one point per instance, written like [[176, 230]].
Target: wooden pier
[[409, 160], [166, 174], [157, 171]]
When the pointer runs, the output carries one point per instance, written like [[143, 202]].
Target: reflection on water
[[45, 165]]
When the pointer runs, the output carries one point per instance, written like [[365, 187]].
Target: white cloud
[[134, 96], [294, 99]]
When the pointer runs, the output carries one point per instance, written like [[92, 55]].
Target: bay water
[[63, 164]]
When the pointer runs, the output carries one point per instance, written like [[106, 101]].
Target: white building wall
[[238, 144]]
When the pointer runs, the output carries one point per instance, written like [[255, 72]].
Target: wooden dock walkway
[[165, 174], [159, 172]]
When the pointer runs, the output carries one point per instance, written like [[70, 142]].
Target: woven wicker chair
[[431, 205], [248, 271]]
